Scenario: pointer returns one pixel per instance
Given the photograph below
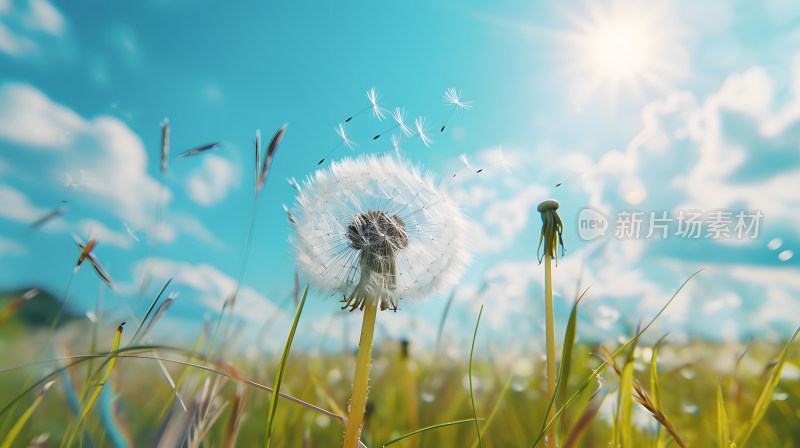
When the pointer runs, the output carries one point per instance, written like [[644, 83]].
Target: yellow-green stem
[[550, 440], [358, 401]]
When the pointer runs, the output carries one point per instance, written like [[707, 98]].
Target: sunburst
[[622, 50]]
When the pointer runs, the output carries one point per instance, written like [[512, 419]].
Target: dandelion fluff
[[375, 227]]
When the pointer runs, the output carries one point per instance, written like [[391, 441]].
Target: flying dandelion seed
[[131, 232], [374, 97], [499, 156], [422, 130], [563, 182], [399, 115], [396, 145], [343, 136], [463, 158], [452, 97], [199, 149], [375, 227]]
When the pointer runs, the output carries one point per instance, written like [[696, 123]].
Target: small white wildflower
[[375, 228], [422, 130]]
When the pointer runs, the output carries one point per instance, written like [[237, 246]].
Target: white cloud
[[194, 227], [211, 184], [509, 217], [17, 207], [103, 234], [43, 16], [53, 141], [11, 247], [14, 44], [213, 285], [23, 28]]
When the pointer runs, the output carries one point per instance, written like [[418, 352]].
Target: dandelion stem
[[550, 440], [358, 401], [552, 229]]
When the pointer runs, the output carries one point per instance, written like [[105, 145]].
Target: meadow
[[703, 393]]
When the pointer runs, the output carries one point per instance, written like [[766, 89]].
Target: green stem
[[550, 440], [358, 401]]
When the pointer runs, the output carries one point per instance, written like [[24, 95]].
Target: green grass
[[750, 410]]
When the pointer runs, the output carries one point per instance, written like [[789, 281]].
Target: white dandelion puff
[[453, 97], [422, 130], [374, 97], [342, 139], [375, 228]]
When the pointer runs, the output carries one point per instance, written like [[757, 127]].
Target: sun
[[616, 51]]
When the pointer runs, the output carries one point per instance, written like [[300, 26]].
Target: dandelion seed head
[[422, 130], [452, 96], [375, 227]]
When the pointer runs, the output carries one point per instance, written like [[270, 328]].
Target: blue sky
[[633, 107]]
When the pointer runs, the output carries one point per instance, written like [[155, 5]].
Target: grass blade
[[88, 405], [471, 392], [273, 404], [149, 310], [766, 396], [583, 421], [723, 434], [441, 425], [15, 430], [496, 406], [16, 303], [600, 369], [625, 409]]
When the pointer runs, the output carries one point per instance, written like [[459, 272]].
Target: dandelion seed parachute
[[386, 206]]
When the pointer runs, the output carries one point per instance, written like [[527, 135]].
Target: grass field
[[709, 394]]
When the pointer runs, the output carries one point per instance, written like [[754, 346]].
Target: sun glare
[[617, 52], [619, 49]]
